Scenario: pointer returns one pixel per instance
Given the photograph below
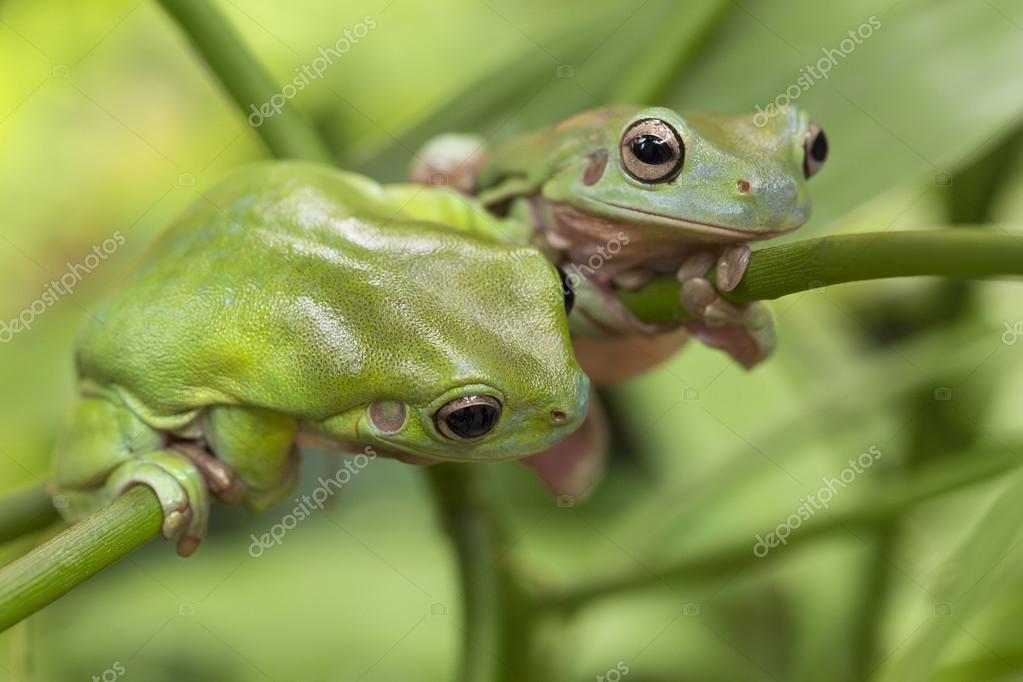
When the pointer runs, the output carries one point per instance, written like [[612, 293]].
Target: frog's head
[[705, 176], [491, 370]]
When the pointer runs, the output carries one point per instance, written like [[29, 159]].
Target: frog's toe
[[696, 295], [175, 522], [749, 338], [731, 266], [221, 479], [721, 313]]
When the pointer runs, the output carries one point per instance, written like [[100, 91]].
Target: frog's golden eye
[[652, 151], [815, 150], [469, 417]]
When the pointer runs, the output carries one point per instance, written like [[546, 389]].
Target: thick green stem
[[287, 134], [874, 510], [75, 555], [460, 495], [813, 263], [25, 511]]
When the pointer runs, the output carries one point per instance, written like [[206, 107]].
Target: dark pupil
[[566, 287], [819, 148], [472, 421], [651, 150]]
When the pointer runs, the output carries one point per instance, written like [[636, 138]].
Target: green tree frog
[[297, 302], [618, 195]]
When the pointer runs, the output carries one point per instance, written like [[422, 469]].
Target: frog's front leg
[[259, 447], [180, 487], [107, 449], [746, 332]]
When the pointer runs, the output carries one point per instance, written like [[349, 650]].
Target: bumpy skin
[[740, 182], [300, 300]]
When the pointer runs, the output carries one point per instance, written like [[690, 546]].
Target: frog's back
[[288, 288]]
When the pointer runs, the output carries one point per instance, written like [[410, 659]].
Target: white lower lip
[[703, 228]]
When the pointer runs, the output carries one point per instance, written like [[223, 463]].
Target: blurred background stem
[[25, 511], [873, 510], [286, 134], [458, 490]]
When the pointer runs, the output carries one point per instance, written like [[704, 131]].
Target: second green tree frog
[[300, 302], [618, 195]]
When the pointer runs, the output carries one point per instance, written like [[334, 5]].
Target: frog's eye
[[469, 417], [815, 151], [566, 288], [652, 151]]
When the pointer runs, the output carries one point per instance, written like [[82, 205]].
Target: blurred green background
[[110, 122]]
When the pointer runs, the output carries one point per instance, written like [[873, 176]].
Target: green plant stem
[[824, 261], [25, 511], [874, 510], [458, 490], [75, 555], [287, 134]]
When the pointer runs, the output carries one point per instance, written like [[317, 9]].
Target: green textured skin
[[310, 292], [720, 150]]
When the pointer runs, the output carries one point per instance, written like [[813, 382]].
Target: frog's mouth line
[[709, 229]]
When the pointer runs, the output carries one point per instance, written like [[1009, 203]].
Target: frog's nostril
[[558, 416], [744, 186]]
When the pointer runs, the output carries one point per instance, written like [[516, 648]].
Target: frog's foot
[[454, 160], [746, 332], [221, 479], [179, 485], [260, 499]]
